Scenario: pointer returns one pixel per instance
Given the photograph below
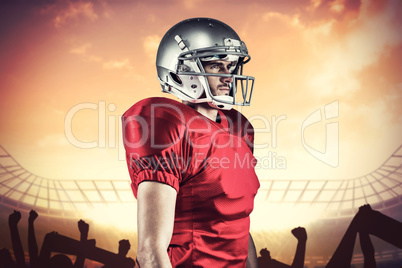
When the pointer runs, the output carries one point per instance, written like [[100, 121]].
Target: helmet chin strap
[[222, 105], [216, 104]]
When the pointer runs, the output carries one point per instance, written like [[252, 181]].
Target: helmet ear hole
[[176, 78]]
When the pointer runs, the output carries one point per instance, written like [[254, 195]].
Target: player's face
[[219, 85]]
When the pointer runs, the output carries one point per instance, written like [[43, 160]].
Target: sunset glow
[[70, 69]]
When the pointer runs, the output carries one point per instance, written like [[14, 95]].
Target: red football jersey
[[211, 166]]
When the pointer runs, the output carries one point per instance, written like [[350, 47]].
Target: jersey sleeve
[[153, 135]]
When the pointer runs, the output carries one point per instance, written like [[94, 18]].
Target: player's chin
[[223, 91]]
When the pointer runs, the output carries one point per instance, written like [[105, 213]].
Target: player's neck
[[205, 109]]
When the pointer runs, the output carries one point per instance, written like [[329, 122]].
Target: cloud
[[93, 58], [123, 64], [73, 11], [53, 140], [151, 44], [351, 49], [107, 9], [337, 6], [192, 4], [82, 49]]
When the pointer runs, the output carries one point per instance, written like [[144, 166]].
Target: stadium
[[60, 203]]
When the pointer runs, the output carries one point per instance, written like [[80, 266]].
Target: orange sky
[[58, 57], [65, 55]]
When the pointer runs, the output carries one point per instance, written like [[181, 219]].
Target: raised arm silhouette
[[32, 245], [124, 247], [13, 220], [368, 250], [366, 221], [55, 242], [265, 261]]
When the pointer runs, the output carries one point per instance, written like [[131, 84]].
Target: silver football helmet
[[179, 66]]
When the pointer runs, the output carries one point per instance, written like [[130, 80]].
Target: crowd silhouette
[[57, 248], [366, 222]]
